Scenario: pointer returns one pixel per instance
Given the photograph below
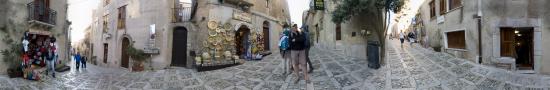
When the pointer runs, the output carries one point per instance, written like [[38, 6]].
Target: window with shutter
[[455, 4], [432, 9], [507, 45], [456, 40], [442, 7]]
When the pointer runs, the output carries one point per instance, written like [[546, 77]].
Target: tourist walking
[[284, 46], [297, 50], [412, 37], [307, 45], [83, 61], [77, 58]]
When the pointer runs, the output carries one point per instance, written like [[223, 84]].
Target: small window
[[432, 9], [266, 3], [455, 4], [456, 40], [105, 23], [121, 18], [105, 52], [352, 34], [442, 7]]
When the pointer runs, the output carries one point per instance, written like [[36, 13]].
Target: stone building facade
[[41, 17], [508, 30], [348, 38], [173, 32]]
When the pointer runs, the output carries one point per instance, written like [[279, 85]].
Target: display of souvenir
[[227, 54], [198, 60], [212, 33], [227, 26], [212, 24], [205, 56], [219, 30]]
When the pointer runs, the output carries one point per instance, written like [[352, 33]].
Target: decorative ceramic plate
[[212, 33], [219, 30], [212, 24], [227, 26]]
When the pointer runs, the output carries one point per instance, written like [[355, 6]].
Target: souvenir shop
[[38, 49], [228, 45]]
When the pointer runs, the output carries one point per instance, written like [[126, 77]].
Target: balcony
[[182, 13], [240, 2], [41, 15]]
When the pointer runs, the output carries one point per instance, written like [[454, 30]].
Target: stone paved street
[[406, 68]]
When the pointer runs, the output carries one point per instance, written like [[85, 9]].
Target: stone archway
[[242, 40], [179, 47], [266, 35], [125, 58]]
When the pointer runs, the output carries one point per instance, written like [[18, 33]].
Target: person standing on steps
[[297, 47]]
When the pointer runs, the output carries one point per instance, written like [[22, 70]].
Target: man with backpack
[[284, 47]]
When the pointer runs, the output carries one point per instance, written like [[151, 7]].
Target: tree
[[350, 8]]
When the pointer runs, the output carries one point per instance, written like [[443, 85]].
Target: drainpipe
[[478, 17]]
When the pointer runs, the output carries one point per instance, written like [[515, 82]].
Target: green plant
[[136, 54]]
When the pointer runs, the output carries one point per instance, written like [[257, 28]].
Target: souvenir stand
[[218, 50], [36, 47]]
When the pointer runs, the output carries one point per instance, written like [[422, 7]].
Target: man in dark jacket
[[308, 46], [297, 51]]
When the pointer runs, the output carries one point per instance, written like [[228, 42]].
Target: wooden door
[[125, 59], [179, 47], [507, 47]]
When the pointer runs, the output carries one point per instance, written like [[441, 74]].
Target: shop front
[[231, 39]]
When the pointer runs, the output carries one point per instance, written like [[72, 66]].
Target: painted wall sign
[[242, 16]]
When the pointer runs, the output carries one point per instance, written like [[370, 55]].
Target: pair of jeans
[[307, 59], [50, 66]]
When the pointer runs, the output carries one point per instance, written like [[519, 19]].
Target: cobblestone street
[[405, 68]]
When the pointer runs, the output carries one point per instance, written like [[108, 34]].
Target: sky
[[80, 15], [297, 8]]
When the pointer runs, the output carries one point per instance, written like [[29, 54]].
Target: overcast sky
[[297, 8]]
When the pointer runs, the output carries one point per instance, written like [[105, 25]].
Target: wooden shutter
[[455, 3], [442, 7], [432, 9], [507, 46], [456, 40]]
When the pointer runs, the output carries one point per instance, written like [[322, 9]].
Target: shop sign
[[40, 32], [319, 4], [242, 16]]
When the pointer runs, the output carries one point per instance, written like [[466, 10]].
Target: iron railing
[[40, 12], [181, 13]]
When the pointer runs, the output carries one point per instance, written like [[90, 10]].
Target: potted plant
[[138, 56], [12, 57]]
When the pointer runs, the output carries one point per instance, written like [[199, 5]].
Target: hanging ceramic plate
[[212, 33], [205, 44], [212, 24], [219, 30], [227, 26]]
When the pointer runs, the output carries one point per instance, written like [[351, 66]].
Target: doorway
[[266, 35], [125, 59], [242, 41], [179, 47], [517, 42]]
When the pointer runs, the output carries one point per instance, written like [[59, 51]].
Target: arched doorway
[[125, 59], [242, 40], [266, 35], [179, 47]]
